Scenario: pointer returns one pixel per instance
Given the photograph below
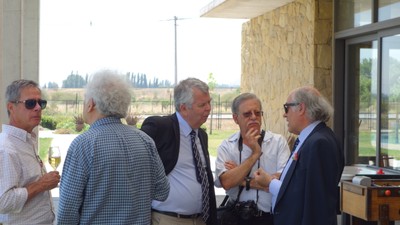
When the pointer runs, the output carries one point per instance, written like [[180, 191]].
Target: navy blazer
[[164, 130], [309, 191]]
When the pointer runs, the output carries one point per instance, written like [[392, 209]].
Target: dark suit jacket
[[309, 191], [165, 133]]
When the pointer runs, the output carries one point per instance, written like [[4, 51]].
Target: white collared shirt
[[275, 154], [20, 166]]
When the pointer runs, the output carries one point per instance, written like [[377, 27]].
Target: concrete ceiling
[[240, 9]]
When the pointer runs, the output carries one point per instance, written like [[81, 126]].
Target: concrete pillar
[[19, 44]]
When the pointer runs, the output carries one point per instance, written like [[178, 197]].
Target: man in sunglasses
[[307, 191], [24, 184], [242, 154]]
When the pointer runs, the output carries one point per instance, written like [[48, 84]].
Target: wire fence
[[152, 107], [220, 110]]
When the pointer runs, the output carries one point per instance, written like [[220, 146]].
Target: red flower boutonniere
[[295, 156]]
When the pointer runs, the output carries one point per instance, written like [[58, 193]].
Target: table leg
[[383, 214]]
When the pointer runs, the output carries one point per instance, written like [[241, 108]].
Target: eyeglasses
[[250, 113], [31, 103], [287, 105]]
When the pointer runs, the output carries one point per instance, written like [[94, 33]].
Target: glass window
[[362, 120], [350, 14], [388, 9], [373, 107], [390, 99]]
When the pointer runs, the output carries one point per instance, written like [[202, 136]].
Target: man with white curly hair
[[112, 172]]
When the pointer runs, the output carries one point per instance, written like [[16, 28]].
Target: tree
[[393, 79], [212, 82], [74, 81], [155, 83], [366, 84], [52, 85]]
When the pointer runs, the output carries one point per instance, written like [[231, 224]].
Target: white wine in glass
[[54, 157]]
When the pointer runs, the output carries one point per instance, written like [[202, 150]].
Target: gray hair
[[318, 108], [110, 92], [183, 92], [13, 91], [241, 98]]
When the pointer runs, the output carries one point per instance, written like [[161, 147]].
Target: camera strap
[[260, 140]]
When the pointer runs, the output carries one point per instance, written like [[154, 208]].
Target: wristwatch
[[248, 179]]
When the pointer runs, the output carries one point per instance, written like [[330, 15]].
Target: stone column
[[19, 44]]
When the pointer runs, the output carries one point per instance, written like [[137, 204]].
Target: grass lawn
[[215, 139], [44, 144], [366, 148]]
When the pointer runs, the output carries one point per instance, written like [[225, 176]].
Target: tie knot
[[193, 133]]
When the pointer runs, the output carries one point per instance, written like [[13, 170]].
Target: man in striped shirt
[[24, 184]]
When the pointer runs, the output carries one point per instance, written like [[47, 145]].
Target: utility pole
[[176, 53], [176, 46]]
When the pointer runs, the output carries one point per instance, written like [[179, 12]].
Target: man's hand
[[251, 140], [276, 176], [50, 180], [262, 178], [230, 165], [47, 182], [235, 174]]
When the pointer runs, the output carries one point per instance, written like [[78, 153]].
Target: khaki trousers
[[161, 219]]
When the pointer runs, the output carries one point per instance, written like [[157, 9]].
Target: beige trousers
[[161, 219]]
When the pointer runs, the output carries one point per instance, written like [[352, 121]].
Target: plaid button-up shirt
[[111, 174]]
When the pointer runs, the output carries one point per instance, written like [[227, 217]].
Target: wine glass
[[54, 157]]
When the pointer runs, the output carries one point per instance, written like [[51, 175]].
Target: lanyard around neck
[[260, 140]]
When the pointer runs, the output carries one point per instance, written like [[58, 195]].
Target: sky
[[84, 36]]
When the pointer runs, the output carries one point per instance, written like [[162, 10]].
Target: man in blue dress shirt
[[189, 201]]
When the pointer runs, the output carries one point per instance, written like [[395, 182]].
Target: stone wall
[[288, 47]]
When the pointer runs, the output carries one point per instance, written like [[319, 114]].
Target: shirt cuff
[[274, 186]]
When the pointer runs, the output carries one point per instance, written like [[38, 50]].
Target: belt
[[261, 213], [173, 214]]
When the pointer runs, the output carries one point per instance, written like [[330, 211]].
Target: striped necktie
[[295, 144], [290, 157], [201, 175]]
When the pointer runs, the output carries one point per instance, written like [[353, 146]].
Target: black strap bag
[[226, 212]]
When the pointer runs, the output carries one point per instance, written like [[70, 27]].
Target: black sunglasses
[[287, 105], [31, 103]]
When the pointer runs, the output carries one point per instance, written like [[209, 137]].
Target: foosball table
[[377, 200]]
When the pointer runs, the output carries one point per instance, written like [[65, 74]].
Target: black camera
[[246, 210]]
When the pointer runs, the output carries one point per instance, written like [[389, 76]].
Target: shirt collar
[[18, 132], [307, 131], [235, 137], [184, 126], [106, 120]]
